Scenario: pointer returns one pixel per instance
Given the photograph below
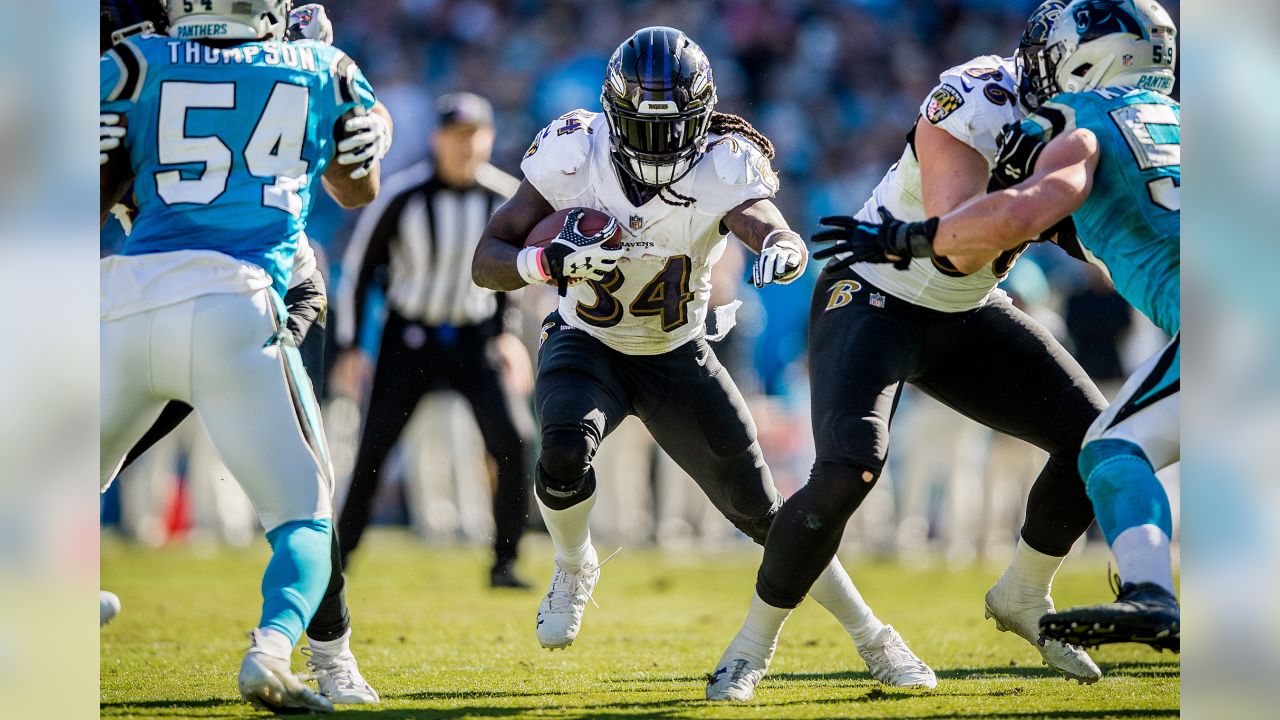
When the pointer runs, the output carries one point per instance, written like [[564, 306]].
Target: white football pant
[[219, 353]]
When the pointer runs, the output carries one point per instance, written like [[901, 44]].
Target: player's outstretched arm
[[759, 224], [1002, 220], [352, 189], [951, 173], [494, 265]]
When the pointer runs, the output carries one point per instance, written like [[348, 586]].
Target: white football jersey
[[973, 102], [657, 298]]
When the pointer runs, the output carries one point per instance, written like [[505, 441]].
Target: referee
[[441, 332]]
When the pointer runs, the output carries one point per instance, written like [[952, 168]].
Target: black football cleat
[[503, 575], [1142, 613]]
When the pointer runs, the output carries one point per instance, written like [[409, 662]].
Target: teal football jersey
[[1130, 223], [227, 144]]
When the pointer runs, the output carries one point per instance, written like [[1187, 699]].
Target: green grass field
[[438, 644]]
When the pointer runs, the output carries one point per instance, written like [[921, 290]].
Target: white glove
[[110, 135], [369, 143], [573, 255], [309, 22], [781, 261]]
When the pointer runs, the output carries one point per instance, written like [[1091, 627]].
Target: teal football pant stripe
[[1123, 488], [297, 575]]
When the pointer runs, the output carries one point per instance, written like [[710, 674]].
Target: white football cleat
[[266, 682], [560, 614], [108, 607], [339, 677], [1022, 617], [736, 676], [890, 661]]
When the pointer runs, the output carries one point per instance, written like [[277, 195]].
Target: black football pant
[[993, 364], [306, 304], [685, 398], [414, 360]]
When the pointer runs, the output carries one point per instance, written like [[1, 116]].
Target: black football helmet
[[658, 98], [1035, 80], [120, 19]]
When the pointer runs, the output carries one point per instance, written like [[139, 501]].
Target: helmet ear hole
[[1082, 70]]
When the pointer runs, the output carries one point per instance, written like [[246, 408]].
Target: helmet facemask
[[1035, 78], [656, 148]]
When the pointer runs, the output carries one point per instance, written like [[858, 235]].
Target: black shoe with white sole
[[1142, 613]]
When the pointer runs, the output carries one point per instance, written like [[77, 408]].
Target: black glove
[[869, 242], [1016, 157]]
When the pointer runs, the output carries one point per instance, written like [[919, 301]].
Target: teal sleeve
[[110, 76]]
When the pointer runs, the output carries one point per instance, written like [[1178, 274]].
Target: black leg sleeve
[[580, 399], [705, 426], [331, 619], [1006, 371], [807, 531], [170, 418]]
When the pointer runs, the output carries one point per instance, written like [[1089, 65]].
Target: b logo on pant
[[841, 294]]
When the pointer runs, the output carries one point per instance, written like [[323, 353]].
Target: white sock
[[1142, 554], [834, 590], [570, 531], [1031, 572], [758, 637], [274, 643], [341, 646]]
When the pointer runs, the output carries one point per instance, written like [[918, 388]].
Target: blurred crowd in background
[[835, 84]]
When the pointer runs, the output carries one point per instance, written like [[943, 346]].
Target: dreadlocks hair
[[725, 123]]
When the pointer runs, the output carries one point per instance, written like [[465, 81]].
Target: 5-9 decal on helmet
[[944, 101]]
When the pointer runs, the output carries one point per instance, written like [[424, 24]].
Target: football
[[593, 221]]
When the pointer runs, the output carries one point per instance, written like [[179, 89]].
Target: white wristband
[[529, 265]]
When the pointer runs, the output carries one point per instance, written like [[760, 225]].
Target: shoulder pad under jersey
[[555, 160]]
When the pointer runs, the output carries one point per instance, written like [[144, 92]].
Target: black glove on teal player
[[892, 240]]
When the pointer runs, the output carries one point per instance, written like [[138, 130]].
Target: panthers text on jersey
[[656, 300], [1129, 225], [226, 144], [973, 102]]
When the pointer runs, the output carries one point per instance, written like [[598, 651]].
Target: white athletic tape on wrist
[[529, 265]]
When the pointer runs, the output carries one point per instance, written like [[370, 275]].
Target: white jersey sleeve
[[974, 101], [733, 171], [556, 161]]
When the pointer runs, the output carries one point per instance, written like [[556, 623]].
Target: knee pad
[[564, 476], [566, 456], [757, 528], [842, 485]]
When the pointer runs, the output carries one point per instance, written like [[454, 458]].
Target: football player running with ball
[[1107, 151], [629, 335], [941, 324], [229, 131]]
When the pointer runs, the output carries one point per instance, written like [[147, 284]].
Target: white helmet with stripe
[[228, 19], [1108, 43]]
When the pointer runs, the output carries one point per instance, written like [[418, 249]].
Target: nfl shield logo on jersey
[[636, 222], [877, 300]]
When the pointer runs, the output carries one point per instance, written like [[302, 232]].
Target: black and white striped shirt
[[424, 233]]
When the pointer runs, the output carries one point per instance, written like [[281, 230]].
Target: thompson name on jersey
[[227, 143], [657, 298]]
